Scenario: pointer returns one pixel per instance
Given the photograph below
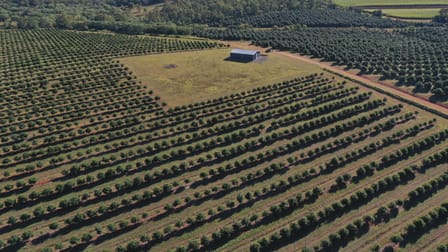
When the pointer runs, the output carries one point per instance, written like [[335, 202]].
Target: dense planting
[[315, 18], [91, 159]]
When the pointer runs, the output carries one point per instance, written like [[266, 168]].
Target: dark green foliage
[[116, 15], [131, 154], [213, 12], [314, 18]]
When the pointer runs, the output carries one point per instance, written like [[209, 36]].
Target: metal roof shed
[[244, 55]]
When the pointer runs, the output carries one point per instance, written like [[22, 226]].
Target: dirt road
[[440, 107]]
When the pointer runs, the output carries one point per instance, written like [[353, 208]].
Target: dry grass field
[[407, 9], [188, 77], [412, 13], [388, 2]]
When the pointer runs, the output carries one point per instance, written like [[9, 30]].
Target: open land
[[412, 13], [188, 77], [387, 2], [415, 9]]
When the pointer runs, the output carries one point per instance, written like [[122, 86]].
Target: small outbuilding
[[244, 55]]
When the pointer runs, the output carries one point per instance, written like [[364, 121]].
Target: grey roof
[[244, 52]]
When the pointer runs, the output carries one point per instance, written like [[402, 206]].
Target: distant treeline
[[183, 16], [207, 11], [37, 3], [135, 29], [54, 13]]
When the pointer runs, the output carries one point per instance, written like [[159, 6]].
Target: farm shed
[[244, 55]]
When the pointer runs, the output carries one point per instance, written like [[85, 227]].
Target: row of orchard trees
[[361, 226], [132, 157]]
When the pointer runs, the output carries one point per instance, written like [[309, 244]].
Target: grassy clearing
[[412, 13], [387, 2], [188, 77]]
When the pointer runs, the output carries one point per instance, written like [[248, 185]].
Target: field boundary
[[382, 91], [407, 18], [177, 72], [403, 6]]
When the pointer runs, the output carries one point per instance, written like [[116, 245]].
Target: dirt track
[[384, 86]]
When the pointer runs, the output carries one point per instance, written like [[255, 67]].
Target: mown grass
[[189, 77], [412, 13], [388, 2]]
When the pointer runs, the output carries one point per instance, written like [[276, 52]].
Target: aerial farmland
[[134, 127]]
